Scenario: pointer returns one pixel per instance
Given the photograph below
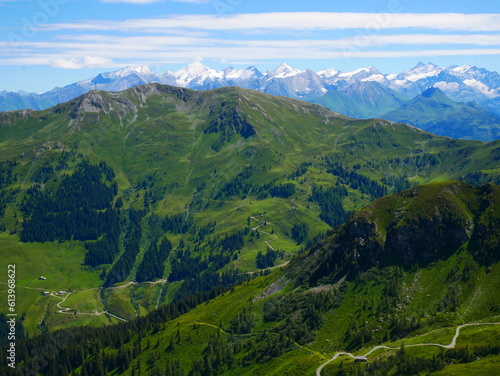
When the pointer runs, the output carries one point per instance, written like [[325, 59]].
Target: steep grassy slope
[[224, 175]]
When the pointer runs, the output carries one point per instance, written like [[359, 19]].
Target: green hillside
[[136, 199], [434, 112], [432, 305]]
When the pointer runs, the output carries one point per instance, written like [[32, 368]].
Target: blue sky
[[48, 43]]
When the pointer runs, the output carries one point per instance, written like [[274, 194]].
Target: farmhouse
[[360, 359]]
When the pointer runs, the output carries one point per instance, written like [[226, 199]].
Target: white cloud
[[235, 53], [295, 36], [160, 49], [78, 63], [424, 39], [295, 21]]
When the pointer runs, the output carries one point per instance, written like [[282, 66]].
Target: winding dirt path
[[67, 310], [451, 345], [95, 312]]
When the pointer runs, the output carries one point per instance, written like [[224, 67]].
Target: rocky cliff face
[[419, 226]]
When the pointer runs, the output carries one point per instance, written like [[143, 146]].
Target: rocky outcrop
[[419, 226]]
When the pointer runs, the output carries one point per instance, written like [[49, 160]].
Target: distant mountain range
[[363, 93]]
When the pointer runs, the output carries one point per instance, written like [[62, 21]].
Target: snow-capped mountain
[[250, 73], [460, 83], [123, 78], [327, 73], [110, 81], [482, 80], [362, 74], [283, 71], [295, 83], [196, 75]]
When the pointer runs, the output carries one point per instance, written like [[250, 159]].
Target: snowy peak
[[196, 73], [421, 71], [194, 69], [283, 71], [140, 70], [362, 74], [362, 71], [422, 66], [123, 79], [231, 73], [460, 69], [328, 72]]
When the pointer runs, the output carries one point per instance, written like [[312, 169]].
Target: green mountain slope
[[409, 269], [434, 112], [112, 194]]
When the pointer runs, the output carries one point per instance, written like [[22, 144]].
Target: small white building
[[360, 359], [42, 278]]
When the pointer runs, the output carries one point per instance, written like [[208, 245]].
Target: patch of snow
[[447, 86], [475, 84], [375, 77], [420, 76]]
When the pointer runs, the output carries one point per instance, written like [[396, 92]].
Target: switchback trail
[[449, 346], [256, 228]]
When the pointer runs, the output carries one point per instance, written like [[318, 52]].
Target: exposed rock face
[[418, 226], [427, 240]]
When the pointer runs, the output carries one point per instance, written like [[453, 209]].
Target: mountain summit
[[283, 71]]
